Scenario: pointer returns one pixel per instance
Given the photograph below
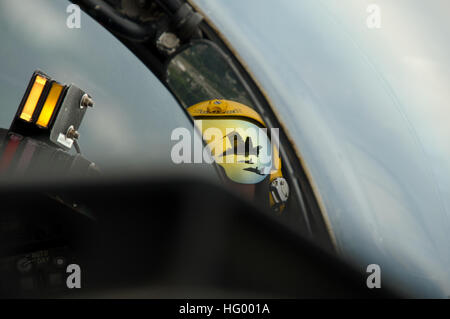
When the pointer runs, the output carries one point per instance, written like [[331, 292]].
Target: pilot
[[239, 142]]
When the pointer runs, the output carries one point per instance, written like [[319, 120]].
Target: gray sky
[[369, 112]]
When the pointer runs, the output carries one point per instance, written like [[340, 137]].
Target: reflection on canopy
[[242, 148]]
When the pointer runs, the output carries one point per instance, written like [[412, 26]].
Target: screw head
[[168, 42], [86, 101], [72, 133]]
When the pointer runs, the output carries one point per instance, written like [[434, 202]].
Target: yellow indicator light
[[49, 105], [33, 98]]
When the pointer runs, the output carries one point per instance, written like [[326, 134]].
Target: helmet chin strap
[[261, 192], [247, 191]]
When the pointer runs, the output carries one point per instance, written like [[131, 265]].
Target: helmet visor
[[241, 147]]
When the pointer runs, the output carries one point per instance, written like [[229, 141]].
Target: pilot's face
[[247, 191]]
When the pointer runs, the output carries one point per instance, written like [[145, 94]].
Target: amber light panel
[[49, 105], [33, 98]]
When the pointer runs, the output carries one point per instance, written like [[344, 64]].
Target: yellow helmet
[[243, 124]]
